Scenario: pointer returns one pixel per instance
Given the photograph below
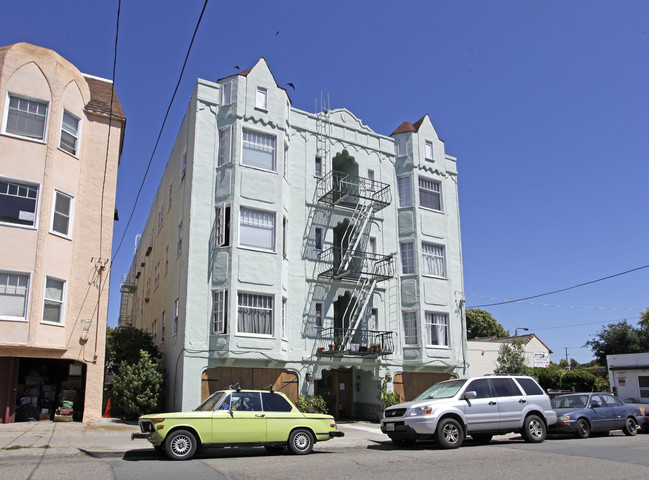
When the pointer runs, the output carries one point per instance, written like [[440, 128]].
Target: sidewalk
[[112, 438]]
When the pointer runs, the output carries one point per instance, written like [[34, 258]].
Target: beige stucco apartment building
[[58, 173]]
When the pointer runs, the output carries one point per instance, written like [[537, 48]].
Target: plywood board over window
[[219, 378], [410, 384]]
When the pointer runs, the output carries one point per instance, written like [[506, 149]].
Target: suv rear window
[[504, 387], [530, 386]]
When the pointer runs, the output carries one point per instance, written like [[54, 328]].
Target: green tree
[[511, 358], [644, 318], [480, 323], [311, 404], [620, 337], [123, 344], [137, 388]]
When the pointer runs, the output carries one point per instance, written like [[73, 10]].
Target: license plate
[[389, 427]]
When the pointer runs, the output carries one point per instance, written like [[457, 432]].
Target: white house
[[628, 375], [483, 352]]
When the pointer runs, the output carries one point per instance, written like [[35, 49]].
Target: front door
[[336, 390]]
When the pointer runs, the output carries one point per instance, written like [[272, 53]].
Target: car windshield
[[208, 405], [442, 390], [570, 401]]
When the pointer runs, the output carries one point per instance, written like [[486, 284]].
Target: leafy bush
[[387, 397], [137, 388], [581, 380], [311, 404]]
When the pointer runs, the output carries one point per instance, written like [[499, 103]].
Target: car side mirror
[[595, 404], [469, 395]]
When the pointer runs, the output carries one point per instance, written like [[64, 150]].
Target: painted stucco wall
[[623, 373], [39, 73], [483, 355]]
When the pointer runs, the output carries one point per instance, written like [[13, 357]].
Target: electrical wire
[[562, 289], [560, 306], [182, 71]]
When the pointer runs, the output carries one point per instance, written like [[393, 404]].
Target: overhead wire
[[182, 71], [560, 306], [561, 289]]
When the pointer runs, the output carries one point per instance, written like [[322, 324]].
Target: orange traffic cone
[[107, 411]]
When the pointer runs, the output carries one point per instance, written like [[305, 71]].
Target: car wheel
[[482, 438], [533, 429], [404, 442], [180, 445], [449, 434], [300, 442], [274, 449], [583, 428], [630, 427]]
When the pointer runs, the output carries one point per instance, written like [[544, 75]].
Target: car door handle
[[522, 400], [492, 403], [260, 415]]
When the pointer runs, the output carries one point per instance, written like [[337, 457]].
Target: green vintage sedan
[[236, 418]]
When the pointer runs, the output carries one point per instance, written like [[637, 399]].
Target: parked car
[[481, 407], [236, 417], [583, 413]]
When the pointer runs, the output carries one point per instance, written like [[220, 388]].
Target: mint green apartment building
[[300, 250]]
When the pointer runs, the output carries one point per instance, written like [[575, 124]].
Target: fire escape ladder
[[354, 233], [356, 310]]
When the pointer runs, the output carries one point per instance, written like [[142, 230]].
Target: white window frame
[[414, 329], [319, 314], [179, 239], [405, 196], [318, 166], [176, 310], [286, 161], [284, 318], [28, 99], [161, 214], [76, 134], [154, 331], [156, 276], [407, 258], [69, 214], [166, 260], [428, 151], [402, 147], [288, 112], [427, 188], [258, 225], [319, 238], [163, 318], [9, 273], [219, 320], [259, 140], [432, 258], [285, 236], [256, 296], [171, 189], [440, 321], [222, 215], [225, 146], [183, 165], [261, 98], [372, 246], [60, 303], [18, 185], [226, 94]]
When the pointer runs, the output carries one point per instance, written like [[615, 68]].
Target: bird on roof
[[237, 67], [291, 85]]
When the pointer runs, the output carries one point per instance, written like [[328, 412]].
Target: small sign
[[541, 359], [621, 379]]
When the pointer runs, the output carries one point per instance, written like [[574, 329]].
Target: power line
[[182, 71], [562, 289], [560, 306]]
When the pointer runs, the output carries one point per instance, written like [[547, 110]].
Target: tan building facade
[[58, 174]]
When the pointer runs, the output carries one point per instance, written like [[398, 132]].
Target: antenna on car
[[235, 386]]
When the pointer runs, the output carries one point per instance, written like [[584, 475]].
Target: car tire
[[534, 429], [159, 449], [274, 449], [449, 433], [583, 428], [482, 438], [630, 427], [180, 445], [300, 441], [404, 442]]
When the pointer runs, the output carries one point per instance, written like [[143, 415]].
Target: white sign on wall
[[541, 359]]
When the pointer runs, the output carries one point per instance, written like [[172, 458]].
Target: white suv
[[482, 406]]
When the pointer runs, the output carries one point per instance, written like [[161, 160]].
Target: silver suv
[[481, 407]]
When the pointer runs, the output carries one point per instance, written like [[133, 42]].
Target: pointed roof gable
[[406, 127]]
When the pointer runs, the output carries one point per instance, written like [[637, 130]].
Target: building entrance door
[[336, 390]]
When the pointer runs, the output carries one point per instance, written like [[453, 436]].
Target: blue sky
[[544, 103]]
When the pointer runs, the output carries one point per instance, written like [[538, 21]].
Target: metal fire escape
[[127, 287], [348, 262]]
